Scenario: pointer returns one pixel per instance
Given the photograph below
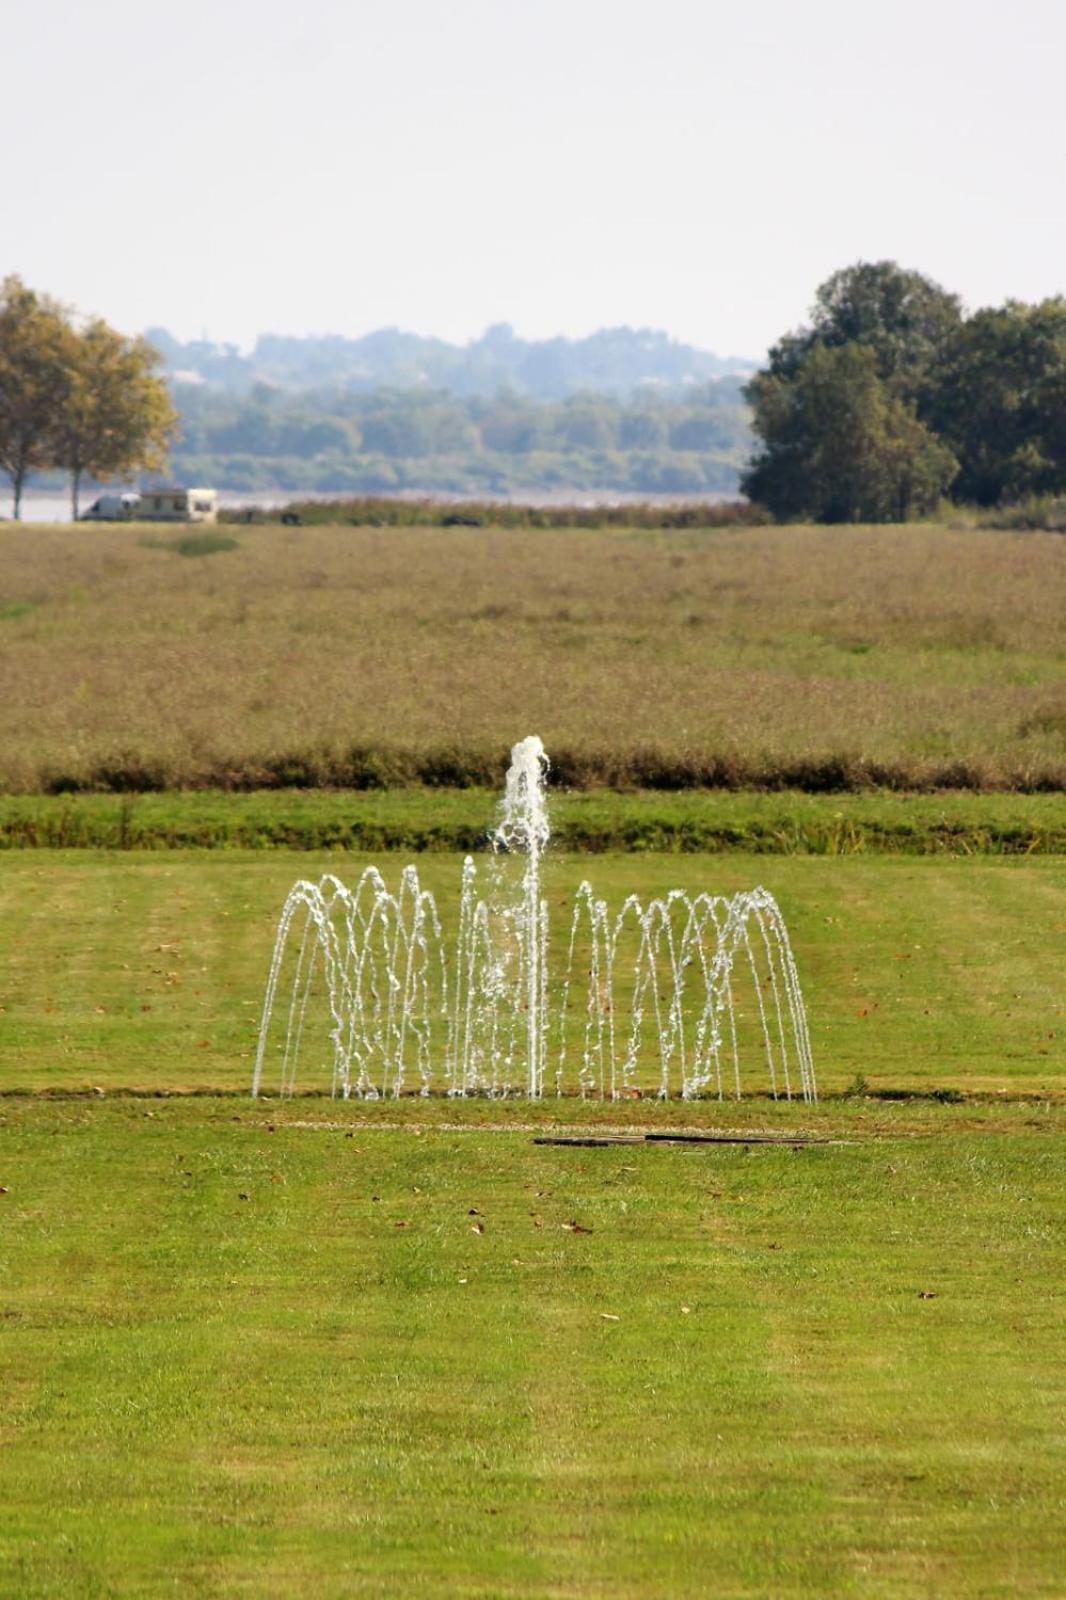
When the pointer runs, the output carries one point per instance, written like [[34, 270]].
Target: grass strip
[[420, 820]]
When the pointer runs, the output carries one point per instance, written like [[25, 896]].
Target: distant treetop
[[611, 361]]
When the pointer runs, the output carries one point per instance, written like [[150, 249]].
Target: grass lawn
[[245, 1353], [146, 970], [307, 1346]]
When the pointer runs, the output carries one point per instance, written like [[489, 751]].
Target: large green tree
[[1000, 401], [902, 317], [84, 398], [116, 414], [839, 446], [35, 377]]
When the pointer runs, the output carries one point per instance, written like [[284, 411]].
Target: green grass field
[[246, 1354], [143, 970], [423, 819], [313, 1347]]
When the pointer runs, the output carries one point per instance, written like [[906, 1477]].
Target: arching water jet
[[663, 980]]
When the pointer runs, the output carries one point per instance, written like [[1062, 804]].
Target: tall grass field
[[366, 657]]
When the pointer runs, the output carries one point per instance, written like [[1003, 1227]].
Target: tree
[[643, 428], [839, 446], [116, 414], [301, 433], [587, 422], [904, 318], [1000, 401], [401, 428], [697, 430], [510, 424], [34, 380]]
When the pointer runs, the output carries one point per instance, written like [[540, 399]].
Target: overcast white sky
[[238, 166]]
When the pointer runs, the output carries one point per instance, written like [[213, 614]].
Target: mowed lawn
[[144, 970], [325, 1348], [279, 1350]]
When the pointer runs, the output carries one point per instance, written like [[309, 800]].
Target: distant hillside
[[614, 361], [625, 410]]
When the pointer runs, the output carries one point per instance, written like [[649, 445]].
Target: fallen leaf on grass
[[477, 1227], [4, 1189], [402, 1224], [241, 1196], [926, 1294], [576, 1227], [473, 1212], [609, 1316]]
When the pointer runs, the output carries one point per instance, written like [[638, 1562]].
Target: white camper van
[[112, 508], [178, 505], [155, 505]]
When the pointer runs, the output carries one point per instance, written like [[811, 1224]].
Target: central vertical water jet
[[524, 826]]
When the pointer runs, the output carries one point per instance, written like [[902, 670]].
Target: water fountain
[[665, 997]]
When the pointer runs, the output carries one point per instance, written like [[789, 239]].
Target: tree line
[[433, 440], [75, 396], [893, 399]]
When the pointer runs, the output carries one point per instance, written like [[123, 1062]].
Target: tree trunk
[[75, 488], [17, 479]]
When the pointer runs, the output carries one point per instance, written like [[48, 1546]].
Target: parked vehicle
[[112, 508], [178, 505], [155, 505]]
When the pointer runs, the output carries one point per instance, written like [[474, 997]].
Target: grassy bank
[[376, 511], [420, 820], [147, 970], [245, 1354], [813, 658]]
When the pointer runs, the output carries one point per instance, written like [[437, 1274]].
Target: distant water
[[47, 506]]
